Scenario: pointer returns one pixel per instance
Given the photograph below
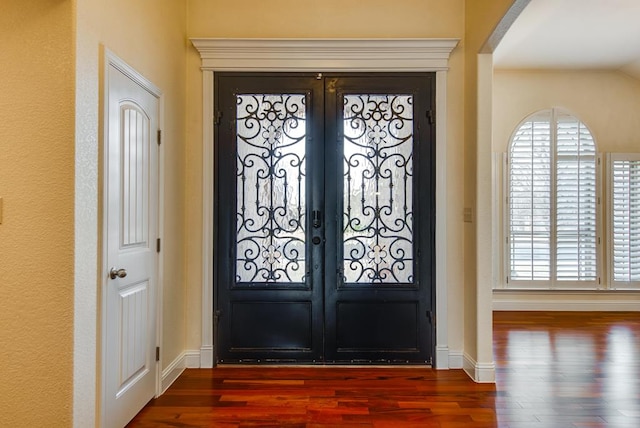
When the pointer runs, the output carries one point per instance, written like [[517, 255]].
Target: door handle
[[117, 273], [316, 217]]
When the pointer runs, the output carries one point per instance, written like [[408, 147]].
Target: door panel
[[129, 322], [325, 247], [283, 325], [378, 290], [269, 271], [394, 323]]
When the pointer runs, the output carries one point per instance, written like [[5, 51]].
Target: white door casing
[[324, 55], [129, 308]]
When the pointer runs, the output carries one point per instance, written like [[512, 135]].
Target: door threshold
[[328, 366]]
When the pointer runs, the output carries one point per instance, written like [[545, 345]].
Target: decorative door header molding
[[325, 54]]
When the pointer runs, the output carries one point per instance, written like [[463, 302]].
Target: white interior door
[[131, 221]]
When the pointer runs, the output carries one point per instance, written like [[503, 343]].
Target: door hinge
[[216, 315], [157, 353], [158, 245], [159, 136], [218, 118], [431, 117]]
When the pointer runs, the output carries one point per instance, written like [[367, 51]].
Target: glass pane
[[270, 208], [378, 189]]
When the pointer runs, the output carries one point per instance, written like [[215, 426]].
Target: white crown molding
[[325, 54]]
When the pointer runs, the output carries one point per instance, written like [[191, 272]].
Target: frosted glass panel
[[378, 189], [270, 209]]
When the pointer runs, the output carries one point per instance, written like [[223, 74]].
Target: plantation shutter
[[626, 219], [576, 234], [552, 202], [530, 200]]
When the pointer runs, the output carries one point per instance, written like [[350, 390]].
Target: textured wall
[[36, 234], [150, 35], [327, 19]]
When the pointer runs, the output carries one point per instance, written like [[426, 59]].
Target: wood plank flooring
[[554, 369]]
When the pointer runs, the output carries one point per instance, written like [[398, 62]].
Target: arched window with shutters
[[552, 203]]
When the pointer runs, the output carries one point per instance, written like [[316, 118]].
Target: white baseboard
[[192, 359], [442, 358], [172, 372], [455, 360], [206, 357], [479, 372], [557, 300], [447, 359]]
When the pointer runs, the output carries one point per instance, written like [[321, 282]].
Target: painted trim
[[172, 372], [325, 54], [347, 55], [131, 73], [456, 359], [206, 349], [485, 227], [160, 271], [192, 359], [442, 291], [479, 372], [534, 300]]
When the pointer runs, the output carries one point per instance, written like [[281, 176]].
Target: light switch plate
[[468, 215]]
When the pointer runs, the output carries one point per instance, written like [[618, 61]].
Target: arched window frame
[[558, 277]]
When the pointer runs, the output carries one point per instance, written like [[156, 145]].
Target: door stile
[[249, 307]]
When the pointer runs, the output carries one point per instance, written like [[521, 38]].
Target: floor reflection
[[568, 369]]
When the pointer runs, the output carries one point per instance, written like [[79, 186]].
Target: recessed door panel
[[275, 326], [377, 326]]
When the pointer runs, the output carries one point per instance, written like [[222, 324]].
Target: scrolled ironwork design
[[270, 208], [378, 189]]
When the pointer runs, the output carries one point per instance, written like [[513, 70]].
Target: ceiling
[[574, 34]]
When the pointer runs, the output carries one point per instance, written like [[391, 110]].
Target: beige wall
[[482, 16], [150, 35], [39, 334], [328, 19], [36, 234], [608, 102]]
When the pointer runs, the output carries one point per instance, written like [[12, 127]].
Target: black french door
[[325, 201]]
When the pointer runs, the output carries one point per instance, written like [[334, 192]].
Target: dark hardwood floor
[[553, 369]]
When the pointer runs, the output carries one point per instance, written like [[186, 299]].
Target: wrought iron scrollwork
[[270, 209], [378, 189]]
